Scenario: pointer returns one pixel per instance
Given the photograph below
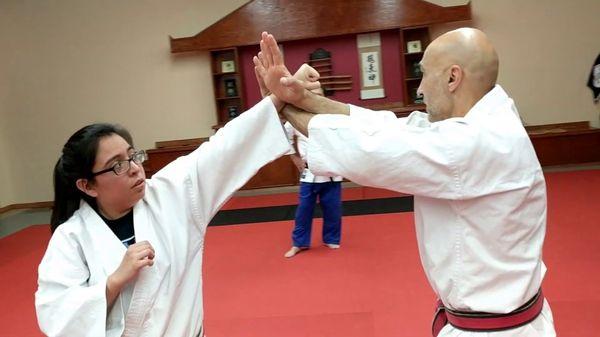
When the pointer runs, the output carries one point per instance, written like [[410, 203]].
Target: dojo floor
[[372, 286]]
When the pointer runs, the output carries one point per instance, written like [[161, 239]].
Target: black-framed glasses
[[123, 166]]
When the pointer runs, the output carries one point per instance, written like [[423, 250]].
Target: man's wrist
[[304, 103]]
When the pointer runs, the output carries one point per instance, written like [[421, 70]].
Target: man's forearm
[[321, 105], [298, 118]]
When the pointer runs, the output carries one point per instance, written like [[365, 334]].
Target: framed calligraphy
[[371, 72]]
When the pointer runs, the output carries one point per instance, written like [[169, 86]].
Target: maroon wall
[[344, 54]]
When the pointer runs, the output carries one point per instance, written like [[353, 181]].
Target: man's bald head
[[464, 55], [470, 49]]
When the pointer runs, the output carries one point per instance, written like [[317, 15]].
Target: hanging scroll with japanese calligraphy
[[371, 72]]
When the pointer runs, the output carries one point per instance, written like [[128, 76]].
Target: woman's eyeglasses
[[122, 166]]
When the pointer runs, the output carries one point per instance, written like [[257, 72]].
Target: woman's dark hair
[[76, 162]]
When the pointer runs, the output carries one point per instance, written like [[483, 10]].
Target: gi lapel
[[105, 244], [150, 278], [109, 252]]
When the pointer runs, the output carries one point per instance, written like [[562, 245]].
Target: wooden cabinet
[[413, 41], [280, 172], [228, 83]]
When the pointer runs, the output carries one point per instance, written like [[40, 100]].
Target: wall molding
[[29, 205]]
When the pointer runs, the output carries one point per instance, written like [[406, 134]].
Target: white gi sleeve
[[228, 159], [374, 118], [376, 149]]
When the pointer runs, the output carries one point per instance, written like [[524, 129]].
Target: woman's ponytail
[[66, 196], [76, 162]]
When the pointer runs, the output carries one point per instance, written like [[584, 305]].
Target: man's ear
[[456, 76], [86, 187]]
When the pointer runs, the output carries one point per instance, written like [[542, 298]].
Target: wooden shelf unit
[[227, 84], [410, 61]]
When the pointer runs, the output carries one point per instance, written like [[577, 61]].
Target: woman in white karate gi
[[125, 257]]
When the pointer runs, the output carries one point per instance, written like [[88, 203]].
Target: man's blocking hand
[[277, 78], [306, 74]]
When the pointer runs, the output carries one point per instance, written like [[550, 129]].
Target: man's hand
[[309, 76], [277, 78], [306, 74]]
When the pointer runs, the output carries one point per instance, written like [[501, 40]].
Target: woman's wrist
[[279, 104], [113, 284]]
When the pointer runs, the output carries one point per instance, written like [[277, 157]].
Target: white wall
[[68, 63], [546, 51], [6, 191]]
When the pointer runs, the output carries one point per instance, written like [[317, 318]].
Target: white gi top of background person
[[306, 175]]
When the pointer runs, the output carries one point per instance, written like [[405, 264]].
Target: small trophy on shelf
[[233, 112], [413, 47], [228, 66], [230, 88], [416, 70]]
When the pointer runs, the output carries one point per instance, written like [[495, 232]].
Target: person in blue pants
[[328, 190]]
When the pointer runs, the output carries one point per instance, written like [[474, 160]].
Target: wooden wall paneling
[[180, 142], [572, 145], [555, 144], [159, 158], [29, 205], [567, 144], [292, 20], [281, 172]]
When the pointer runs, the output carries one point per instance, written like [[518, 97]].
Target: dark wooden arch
[[297, 20]]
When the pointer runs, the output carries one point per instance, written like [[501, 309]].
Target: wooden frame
[[298, 20]]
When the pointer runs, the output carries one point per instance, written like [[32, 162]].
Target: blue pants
[[329, 194]]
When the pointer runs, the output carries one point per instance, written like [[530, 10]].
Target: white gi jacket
[[180, 200], [301, 143], [479, 195]]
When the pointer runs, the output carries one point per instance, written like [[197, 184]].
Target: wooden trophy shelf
[[227, 85], [413, 40], [296, 20]]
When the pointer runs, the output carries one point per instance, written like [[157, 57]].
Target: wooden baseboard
[[30, 205], [565, 143]]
